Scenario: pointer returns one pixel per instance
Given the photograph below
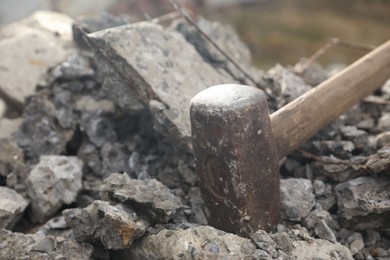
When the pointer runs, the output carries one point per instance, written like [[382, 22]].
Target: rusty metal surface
[[236, 158]]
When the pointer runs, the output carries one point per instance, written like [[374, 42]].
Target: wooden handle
[[299, 120]]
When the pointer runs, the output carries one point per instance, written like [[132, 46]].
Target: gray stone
[[74, 67], [297, 198], [114, 158], [98, 127], [315, 216], [338, 172], [150, 198], [115, 226], [384, 122], [342, 149], [55, 181], [364, 203], [25, 246], [359, 137], [327, 202], [29, 48], [356, 243], [372, 237], [265, 242], [314, 74], [286, 85], [283, 242], [319, 188], [386, 90], [192, 242], [12, 206], [197, 206], [382, 140], [40, 133], [322, 230], [12, 166], [145, 58], [55, 227]]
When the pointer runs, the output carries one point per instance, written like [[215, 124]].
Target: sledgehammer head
[[236, 158]]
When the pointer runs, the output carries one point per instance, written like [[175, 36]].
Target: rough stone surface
[[364, 202], [149, 198], [319, 249], [9, 126], [53, 182], [21, 246], [297, 198], [384, 122], [192, 242], [227, 39], [322, 230], [148, 60], [265, 242], [12, 206], [29, 49], [41, 132], [115, 227], [382, 140], [297, 244], [359, 137], [286, 85]]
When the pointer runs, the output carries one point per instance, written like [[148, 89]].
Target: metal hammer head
[[236, 158]]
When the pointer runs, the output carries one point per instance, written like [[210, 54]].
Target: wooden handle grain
[[299, 120]]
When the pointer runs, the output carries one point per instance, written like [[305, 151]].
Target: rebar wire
[[331, 42], [178, 8]]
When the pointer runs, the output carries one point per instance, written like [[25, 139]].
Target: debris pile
[[99, 162]]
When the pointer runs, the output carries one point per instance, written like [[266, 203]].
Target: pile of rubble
[[96, 161]]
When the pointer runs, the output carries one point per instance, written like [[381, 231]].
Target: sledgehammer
[[237, 145]]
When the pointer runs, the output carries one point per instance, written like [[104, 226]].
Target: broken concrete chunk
[[265, 242], [53, 182], [55, 227], [40, 132], [355, 242], [12, 206], [116, 227], [12, 166], [319, 249], [192, 242], [314, 74], [157, 63], [364, 203], [322, 230], [297, 198], [149, 198], [57, 24], [29, 49], [99, 128], [286, 86], [227, 39], [21, 246]]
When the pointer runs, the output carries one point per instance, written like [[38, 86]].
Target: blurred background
[[276, 31]]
